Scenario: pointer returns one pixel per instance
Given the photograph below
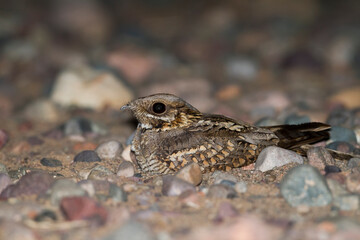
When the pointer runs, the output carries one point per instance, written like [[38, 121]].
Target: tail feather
[[294, 136]]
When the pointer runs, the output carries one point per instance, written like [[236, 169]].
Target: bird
[[171, 134]]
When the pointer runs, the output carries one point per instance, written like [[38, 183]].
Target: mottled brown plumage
[[172, 133]]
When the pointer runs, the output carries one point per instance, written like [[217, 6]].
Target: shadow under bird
[[172, 133]]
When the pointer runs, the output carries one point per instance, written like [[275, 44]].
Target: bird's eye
[[159, 108]]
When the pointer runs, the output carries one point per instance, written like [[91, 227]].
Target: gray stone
[[117, 194], [131, 230], [4, 181], [173, 186], [126, 169], [100, 172], [342, 134], [65, 188], [3, 168], [347, 202], [240, 187], [304, 185], [50, 162], [296, 119], [109, 150], [221, 191], [272, 157], [191, 173], [220, 176], [87, 156]]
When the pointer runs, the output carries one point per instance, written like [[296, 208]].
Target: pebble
[[342, 134], [81, 126], [173, 186], [319, 157], [348, 97], [126, 153], [34, 140], [117, 194], [83, 208], [340, 117], [191, 173], [221, 191], [331, 169], [126, 169], [219, 176], [84, 87], [33, 183], [349, 202], [50, 162], [191, 199], [354, 163], [42, 110], [272, 157], [4, 137], [240, 187], [65, 188], [4, 181], [109, 150], [353, 182], [296, 119], [87, 156], [225, 211], [3, 168], [131, 230], [340, 146], [304, 185], [100, 172], [93, 187], [241, 69], [45, 216], [336, 188]]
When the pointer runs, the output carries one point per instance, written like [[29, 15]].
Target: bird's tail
[[298, 138], [294, 136]]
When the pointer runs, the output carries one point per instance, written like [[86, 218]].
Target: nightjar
[[171, 133]]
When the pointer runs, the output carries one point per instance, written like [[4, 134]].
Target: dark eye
[[159, 107]]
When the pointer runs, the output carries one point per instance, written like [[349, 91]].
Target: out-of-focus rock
[[84, 87]]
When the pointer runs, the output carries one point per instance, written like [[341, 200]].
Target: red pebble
[[83, 208]]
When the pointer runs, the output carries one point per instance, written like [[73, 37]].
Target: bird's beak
[[125, 107]]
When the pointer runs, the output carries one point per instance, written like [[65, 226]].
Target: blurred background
[[250, 59]]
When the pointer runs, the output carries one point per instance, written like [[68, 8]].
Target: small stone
[[191, 199], [100, 172], [241, 69], [87, 156], [50, 162], [42, 110], [109, 150], [240, 187], [340, 117], [173, 186], [331, 169], [354, 163], [227, 183], [132, 230], [221, 191], [296, 119], [34, 140], [344, 147], [319, 157], [191, 173], [220, 176], [117, 194], [347, 202], [45, 216], [81, 126], [83, 208], [3, 168], [4, 137], [272, 157], [65, 188], [336, 188], [225, 211], [126, 153], [88, 88], [33, 183], [342, 134], [93, 187], [304, 185], [353, 182], [126, 169], [4, 181]]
